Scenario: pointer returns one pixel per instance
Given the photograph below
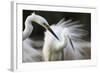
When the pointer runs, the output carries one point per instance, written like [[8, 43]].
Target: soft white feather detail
[[30, 54], [75, 32]]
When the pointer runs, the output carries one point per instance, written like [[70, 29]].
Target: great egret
[[69, 46], [29, 53]]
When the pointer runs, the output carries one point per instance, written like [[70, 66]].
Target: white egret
[[29, 53], [69, 46]]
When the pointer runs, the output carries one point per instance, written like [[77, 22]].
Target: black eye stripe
[[45, 24]]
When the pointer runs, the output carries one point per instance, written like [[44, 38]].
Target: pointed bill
[[50, 30]]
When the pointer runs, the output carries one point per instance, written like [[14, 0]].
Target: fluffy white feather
[[69, 33]]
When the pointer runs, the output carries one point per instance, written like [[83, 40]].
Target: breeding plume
[[70, 45], [29, 53]]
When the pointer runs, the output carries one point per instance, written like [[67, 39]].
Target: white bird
[[70, 46], [30, 54]]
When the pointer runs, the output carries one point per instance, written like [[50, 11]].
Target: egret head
[[41, 21]]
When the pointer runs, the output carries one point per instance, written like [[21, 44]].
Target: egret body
[[69, 46], [29, 53]]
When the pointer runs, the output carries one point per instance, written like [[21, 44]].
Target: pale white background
[[5, 35]]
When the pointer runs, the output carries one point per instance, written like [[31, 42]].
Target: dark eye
[[45, 25]]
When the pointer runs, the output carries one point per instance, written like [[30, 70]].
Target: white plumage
[[30, 53], [71, 46]]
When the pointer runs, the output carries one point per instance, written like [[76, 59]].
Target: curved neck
[[27, 31]]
